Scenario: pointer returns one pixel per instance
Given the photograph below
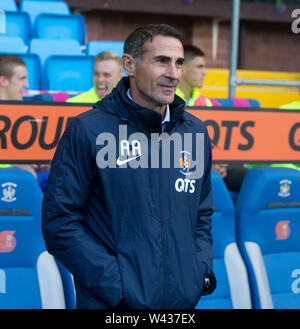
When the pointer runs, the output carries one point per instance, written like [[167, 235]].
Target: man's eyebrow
[[162, 57], [179, 60]]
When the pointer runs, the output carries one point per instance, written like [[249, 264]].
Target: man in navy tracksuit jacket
[[133, 234]]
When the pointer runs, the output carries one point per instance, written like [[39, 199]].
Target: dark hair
[[7, 64], [134, 43], [191, 52]]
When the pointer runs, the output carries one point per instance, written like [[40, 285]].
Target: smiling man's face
[[158, 72], [106, 75]]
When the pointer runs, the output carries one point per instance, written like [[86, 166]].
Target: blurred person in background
[[13, 77], [194, 73], [13, 81], [106, 74]]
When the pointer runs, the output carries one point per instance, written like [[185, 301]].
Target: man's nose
[[174, 72], [100, 78], [26, 84]]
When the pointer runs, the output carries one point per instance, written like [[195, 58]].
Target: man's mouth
[[101, 91], [169, 88]]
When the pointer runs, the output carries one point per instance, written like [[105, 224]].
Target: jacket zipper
[[163, 233]]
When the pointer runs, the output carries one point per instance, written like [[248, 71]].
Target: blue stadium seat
[[45, 48], [95, 47], [12, 44], [55, 26], [232, 283], [29, 276], [268, 231], [8, 5], [35, 8], [18, 25], [253, 103], [68, 73], [33, 66]]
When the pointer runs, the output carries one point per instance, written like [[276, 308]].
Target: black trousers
[[235, 176]]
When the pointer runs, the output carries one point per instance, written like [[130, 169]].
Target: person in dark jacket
[[133, 229]]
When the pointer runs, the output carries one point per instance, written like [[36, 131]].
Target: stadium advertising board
[[29, 132]]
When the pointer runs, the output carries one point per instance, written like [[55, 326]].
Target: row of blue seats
[[256, 244], [47, 47], [46, 26], [47, 20], [35, 7], [73, 73], [30, 278], [60, 72]]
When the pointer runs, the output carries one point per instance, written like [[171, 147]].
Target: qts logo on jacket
[[185, 185], [7, 241], [282, 230]]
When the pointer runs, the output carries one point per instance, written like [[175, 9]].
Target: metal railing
[[233, 80]]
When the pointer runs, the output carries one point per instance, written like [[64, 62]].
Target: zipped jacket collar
[[144, 119]]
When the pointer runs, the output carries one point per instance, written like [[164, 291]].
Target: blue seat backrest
[[268, 230], [95, 47], [29, 277], [12, 45], [58, 26], [45, 48], [18, 25], [232, 284], [35, 8], [68, 73], [8, 5], [33, 66], [253, 103]]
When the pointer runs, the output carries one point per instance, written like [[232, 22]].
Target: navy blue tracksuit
[[131, 237]]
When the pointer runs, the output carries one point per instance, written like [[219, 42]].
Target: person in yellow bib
[[106, 74], [194, 72], [190, 84]]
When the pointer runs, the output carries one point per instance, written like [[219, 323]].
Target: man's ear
[[3, 81], [129, 64]]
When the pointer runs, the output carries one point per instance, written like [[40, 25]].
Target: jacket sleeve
[[204, 225], [65, 198]]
